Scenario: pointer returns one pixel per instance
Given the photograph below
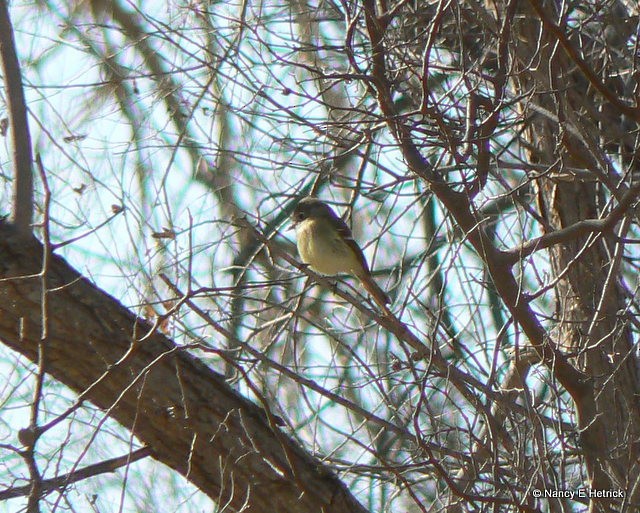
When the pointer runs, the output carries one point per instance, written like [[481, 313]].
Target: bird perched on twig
[[326, 244]]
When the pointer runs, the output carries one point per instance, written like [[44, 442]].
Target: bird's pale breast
[[322, 248]]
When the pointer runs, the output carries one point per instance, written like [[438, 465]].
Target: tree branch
[[22, 214], [185, 412], [48, 485], [458, 204], [628, 110], [576, 230]]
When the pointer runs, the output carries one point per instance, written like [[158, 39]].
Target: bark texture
[[171, 401], [570, 112]]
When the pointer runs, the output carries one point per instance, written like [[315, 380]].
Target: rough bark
[[589, 298], [565, 102], [193, 422]]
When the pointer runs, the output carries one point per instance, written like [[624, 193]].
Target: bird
[[325, 243]]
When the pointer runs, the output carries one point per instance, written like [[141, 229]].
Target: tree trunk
[[590, 325]]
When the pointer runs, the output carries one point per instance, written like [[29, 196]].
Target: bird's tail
[[379, 295]]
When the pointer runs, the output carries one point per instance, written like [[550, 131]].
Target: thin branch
[[633, 111], [459, 206], [49, 485], [578, 229]]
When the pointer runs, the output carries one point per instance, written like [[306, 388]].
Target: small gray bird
[[326, 244]]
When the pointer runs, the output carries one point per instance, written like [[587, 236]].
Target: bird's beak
[[292, 227]]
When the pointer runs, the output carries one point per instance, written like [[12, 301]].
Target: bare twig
[[579, 229], [633, 111], [49, 485]]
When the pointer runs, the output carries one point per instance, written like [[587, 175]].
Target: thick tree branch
[[22, 207], [188, 416]]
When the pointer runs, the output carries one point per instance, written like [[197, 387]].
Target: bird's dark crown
[[311, 207]]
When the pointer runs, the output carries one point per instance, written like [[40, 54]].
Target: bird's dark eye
[[300, 216]]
